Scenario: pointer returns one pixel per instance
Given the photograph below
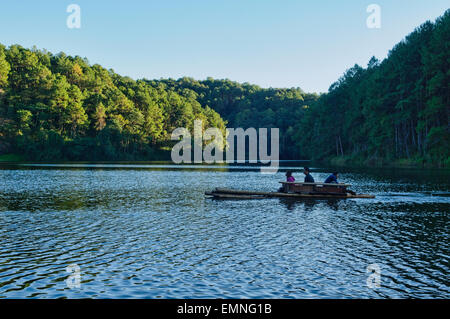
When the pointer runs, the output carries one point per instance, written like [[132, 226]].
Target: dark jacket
[[309, 179], [331, 179]]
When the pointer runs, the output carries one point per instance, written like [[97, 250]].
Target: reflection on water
[[146, 231]]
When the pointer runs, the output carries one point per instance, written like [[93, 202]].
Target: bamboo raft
[[224, 193]]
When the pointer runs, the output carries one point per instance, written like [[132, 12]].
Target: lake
[[146, 230]]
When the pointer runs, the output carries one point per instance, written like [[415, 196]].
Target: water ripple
[[148, 232]]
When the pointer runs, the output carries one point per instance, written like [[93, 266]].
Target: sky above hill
[[282, 43]]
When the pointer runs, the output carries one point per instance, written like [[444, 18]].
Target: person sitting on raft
[[308, 177], [332, 179], [289, 177]]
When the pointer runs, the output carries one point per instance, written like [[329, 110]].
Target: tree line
[[58, 107], [394, 110]]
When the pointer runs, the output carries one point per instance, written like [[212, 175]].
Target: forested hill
[[57, 107], [246, 105], [395, 109]]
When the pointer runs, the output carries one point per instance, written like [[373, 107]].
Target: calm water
[[146, 231]]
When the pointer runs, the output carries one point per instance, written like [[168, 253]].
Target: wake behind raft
[[292, 190]]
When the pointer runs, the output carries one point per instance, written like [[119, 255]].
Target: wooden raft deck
[[225, 193]]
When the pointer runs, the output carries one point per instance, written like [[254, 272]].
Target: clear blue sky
[[276, 43]]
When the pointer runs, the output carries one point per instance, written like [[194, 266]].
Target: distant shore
[[333, 162], [385, 163]]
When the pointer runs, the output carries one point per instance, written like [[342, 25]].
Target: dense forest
[[55, 107], [394, 110], [246, 105], [58, 107]]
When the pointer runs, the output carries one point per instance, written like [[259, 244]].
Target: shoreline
[[334, 162], [406, 163]]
